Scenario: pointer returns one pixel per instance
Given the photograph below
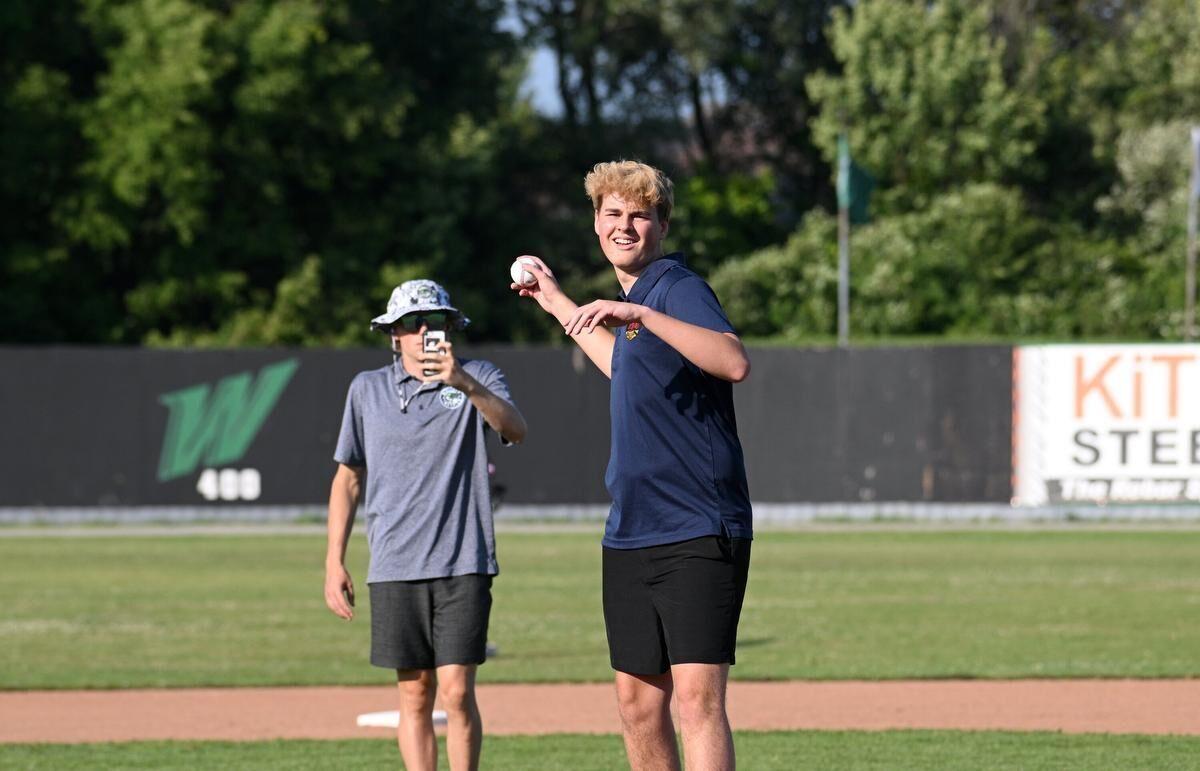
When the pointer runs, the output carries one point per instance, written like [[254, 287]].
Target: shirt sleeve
[[351, 449], [692, 300], [492, 378]]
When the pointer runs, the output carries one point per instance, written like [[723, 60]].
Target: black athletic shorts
[[674, 604], [427, 624]]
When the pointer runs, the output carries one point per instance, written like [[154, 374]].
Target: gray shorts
[[427, 624]]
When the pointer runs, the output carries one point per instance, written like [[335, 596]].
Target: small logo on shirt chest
[[451, 398], [632, 329]]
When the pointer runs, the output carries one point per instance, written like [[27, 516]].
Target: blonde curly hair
[[633, 181]]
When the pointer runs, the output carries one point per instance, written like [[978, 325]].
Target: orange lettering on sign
[[1096, 383], [1137, 387], [1173, 363]]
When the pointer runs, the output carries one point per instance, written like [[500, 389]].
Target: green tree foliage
[[1149, 204], [243, 173], [787, 291], [1002, 210], [193, 172], [721, 216], [744, 68], [1159, 60], [694, 85], [975, 264], [45, 60], [924, 98]]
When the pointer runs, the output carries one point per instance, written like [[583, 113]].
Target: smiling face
[[631, 234]]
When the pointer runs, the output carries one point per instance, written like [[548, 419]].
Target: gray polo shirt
[[428, 506]]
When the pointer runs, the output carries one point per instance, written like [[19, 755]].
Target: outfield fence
[[921, 432]]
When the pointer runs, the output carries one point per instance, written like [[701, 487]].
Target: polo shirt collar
[[401, 374], [402, 377], [398, 370], [650, 276]]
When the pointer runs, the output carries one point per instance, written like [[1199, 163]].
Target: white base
[[391, 719]]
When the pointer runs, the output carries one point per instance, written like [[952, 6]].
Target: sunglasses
[[434, 320]]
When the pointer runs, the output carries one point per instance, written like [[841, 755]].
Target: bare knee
[[639, 704], [456, 696], [417, 693], [698, 705]]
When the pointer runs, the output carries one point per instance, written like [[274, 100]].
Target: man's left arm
[[500, 414], [505, 419], [720, 354]]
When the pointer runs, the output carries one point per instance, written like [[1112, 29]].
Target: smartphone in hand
[[429, 344]]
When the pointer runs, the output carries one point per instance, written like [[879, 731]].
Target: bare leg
[[418, 744], [644, 702], [700, 692], [464, 728]]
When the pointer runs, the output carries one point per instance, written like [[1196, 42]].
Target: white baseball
[[520, 276]]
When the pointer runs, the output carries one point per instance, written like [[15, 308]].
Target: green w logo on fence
[[219, 425]]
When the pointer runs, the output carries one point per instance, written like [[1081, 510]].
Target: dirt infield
[[1072, 706]]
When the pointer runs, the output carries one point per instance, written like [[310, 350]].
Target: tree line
[[262, 172]]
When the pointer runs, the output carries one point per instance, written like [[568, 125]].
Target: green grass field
[[766, 751], [119, 612]]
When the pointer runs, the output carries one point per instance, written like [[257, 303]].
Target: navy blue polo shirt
[[676, 471]]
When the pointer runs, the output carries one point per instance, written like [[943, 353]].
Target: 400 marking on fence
[[230, 484]]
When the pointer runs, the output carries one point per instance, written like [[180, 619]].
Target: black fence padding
[[878, 424], [87, 426]]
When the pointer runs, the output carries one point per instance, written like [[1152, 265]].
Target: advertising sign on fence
[[1106, 424], [257, 428]]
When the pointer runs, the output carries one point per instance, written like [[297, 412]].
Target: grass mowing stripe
[[762, 751], [248, 610]]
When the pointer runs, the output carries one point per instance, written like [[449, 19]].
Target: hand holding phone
[[430, 344]]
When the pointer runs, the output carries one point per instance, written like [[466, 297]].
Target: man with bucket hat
[[412, 439]]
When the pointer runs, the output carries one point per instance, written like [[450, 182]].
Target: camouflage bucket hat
[[413, 297]]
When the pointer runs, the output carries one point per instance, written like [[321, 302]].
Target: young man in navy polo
[[412, 440], [677, 540]]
